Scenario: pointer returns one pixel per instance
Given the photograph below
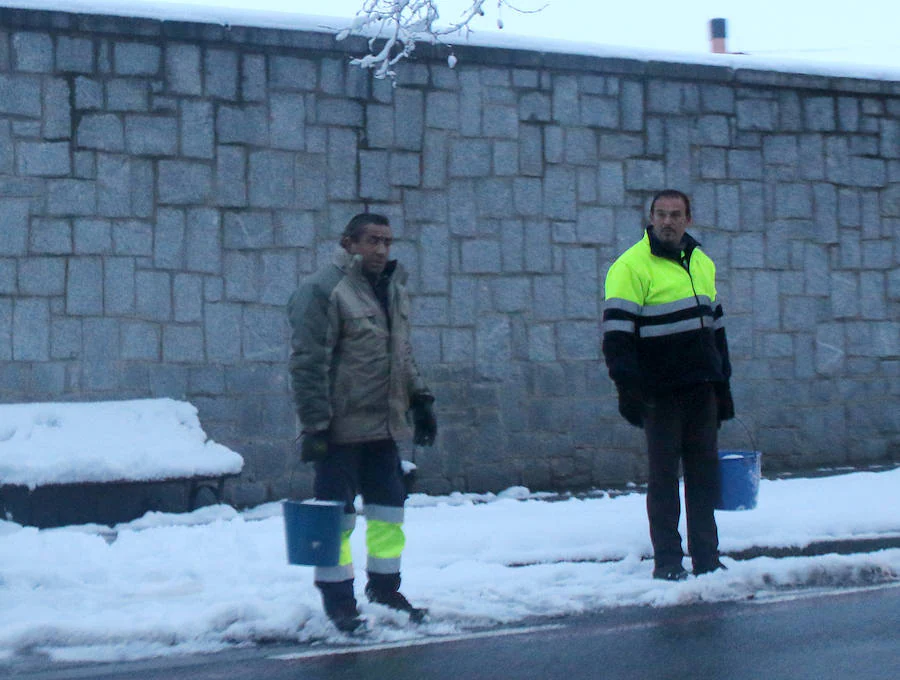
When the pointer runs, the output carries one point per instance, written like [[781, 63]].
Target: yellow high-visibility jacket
[[662, 325]]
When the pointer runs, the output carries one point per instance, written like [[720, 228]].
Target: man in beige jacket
[[353, 379]]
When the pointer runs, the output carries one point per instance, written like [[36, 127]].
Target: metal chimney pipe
[[717, 36]]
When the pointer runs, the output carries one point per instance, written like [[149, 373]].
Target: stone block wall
[[164, 187]]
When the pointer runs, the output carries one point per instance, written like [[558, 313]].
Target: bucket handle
[[749, 433]]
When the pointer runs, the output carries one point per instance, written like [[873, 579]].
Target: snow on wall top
[[206, 11], [136, 440]]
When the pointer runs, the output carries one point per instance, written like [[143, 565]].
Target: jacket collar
[[352, 264], [688, 243]]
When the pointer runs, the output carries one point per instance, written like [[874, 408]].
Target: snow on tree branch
[[400, 24]]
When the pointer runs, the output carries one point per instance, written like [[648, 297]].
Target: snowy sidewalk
[[170, 584]]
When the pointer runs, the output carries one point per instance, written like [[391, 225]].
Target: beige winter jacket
[[351, 371]]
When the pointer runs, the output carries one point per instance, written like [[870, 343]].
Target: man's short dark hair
[[673, 193], [357, 223]]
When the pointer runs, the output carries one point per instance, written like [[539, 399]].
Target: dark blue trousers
[[372, 469], [682, 427]]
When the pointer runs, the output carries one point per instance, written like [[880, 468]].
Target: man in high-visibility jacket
[[665, 347]]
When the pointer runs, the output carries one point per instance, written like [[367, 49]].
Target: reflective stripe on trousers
[[385, 541]]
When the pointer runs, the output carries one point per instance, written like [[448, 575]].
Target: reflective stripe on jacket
[[352, 368], [662, 324]]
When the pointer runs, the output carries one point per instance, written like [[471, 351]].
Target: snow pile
[[139, 440]]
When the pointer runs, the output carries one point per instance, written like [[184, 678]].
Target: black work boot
[[340, 604], [708, 566], [385, 589], [670, 572]]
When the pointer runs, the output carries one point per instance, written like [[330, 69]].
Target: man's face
[[374, 246], [669, 219]]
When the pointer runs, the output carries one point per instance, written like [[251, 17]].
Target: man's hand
[[724, 402], [424, 420], [313, 446], [630, 404]]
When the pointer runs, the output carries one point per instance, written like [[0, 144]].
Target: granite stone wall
[[164, 186]]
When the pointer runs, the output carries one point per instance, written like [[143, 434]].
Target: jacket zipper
[[685, 263]]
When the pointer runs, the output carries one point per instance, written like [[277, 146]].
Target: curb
[[841, 546]]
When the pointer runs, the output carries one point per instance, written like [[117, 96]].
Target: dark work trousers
[[370, 468], [682, 426]]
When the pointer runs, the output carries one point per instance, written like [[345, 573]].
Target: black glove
[[631, 404], [313, 446], [424, 421], [724, 402]]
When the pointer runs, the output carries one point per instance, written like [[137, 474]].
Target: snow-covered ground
[[175, 584], [181, 583]]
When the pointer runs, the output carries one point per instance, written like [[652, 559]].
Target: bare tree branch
[[403, 23]]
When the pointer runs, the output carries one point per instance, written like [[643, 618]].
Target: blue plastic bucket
[[739, 473], [313, 532]]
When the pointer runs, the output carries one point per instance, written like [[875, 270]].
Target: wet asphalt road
[[846, 635]]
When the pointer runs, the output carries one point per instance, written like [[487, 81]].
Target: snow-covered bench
[[106, 462]]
